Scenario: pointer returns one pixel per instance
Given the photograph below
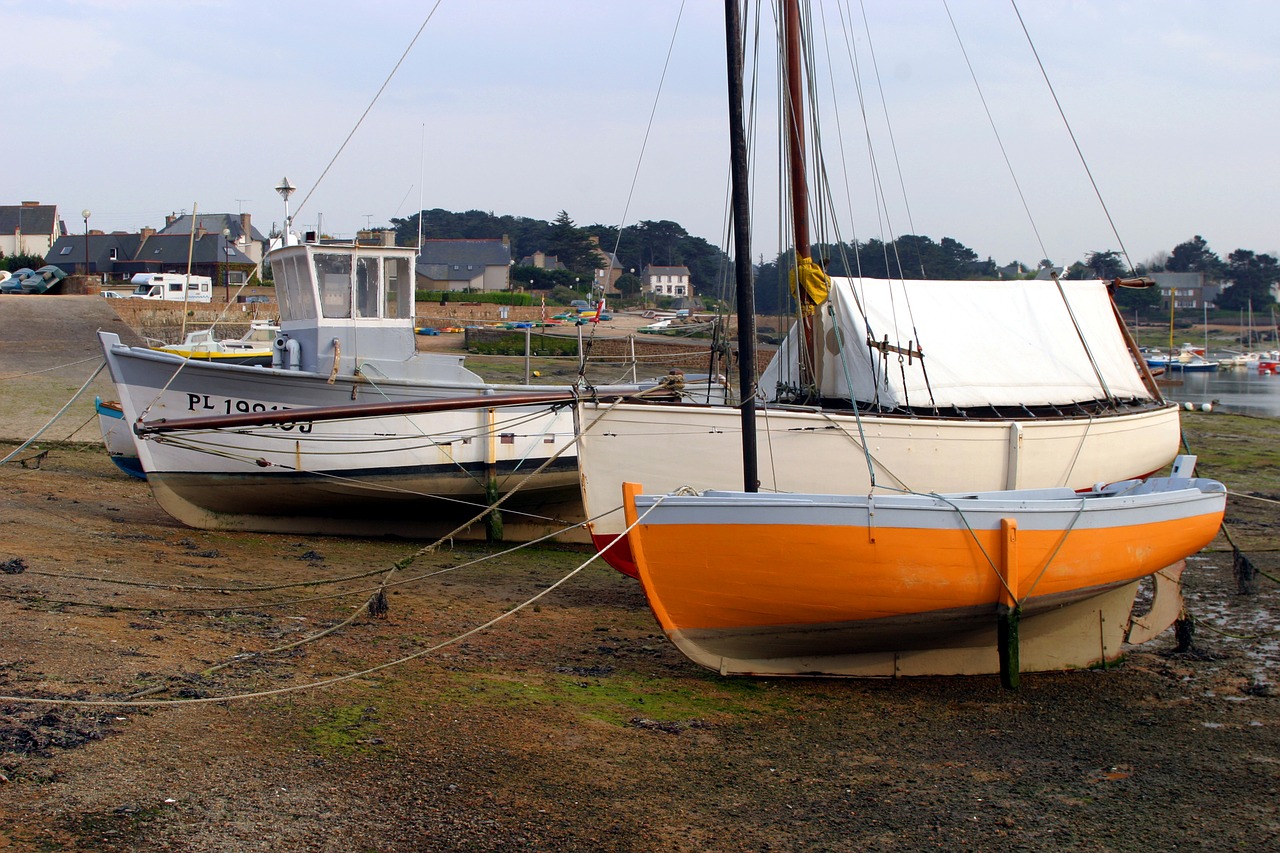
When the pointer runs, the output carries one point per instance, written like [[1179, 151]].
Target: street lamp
[[226, 273], [86, 213], [286, 189]]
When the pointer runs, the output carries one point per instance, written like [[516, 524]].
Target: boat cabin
[[343, 304]]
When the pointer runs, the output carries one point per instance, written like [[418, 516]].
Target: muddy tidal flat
[[573, 724]]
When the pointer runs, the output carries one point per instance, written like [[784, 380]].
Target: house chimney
[[146, 233], [31, 204], [170, 219], [245, 228]]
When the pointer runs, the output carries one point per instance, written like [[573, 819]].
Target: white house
[[667, 281], [30, 228]]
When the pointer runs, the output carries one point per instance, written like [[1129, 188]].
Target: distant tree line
[[666, 243], [1251, 275], [662, 243]]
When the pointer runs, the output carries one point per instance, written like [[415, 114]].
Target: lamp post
[[286, 189], [86, 213], [226, 273]]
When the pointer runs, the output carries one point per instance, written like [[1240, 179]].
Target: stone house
[[462, 265]]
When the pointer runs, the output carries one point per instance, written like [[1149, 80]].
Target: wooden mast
[[794, 124], [742, 248]]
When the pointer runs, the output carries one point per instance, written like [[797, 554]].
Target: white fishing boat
[[346, 339]]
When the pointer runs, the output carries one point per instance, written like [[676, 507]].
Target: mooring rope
[[325, 682], [40, 432]]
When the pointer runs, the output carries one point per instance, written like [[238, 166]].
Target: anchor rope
[[325, 682]]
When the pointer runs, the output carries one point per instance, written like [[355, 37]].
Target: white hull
[[663, 448], [411, 475]]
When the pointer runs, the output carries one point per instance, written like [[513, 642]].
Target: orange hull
[[758, 591], [933, 571]]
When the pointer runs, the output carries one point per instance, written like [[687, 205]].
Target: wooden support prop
[[1008, 611], [493, 521]]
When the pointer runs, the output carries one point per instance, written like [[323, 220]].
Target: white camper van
[[169, 287]]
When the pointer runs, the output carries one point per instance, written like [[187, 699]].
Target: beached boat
[[878, 577], [255, 347], [901, 584], [346, 340], [1055, 404], [921, 385], [118, 437]]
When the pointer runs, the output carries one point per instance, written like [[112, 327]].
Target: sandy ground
[[571, 725]]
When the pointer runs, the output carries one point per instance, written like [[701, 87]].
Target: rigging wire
[[635, 175], [1083, 162], [1044, 253], [364, 114]]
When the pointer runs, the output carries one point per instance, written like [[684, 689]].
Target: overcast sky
[[138, 108]]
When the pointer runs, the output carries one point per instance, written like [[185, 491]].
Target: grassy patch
[[619, 698], [1241, 451], [348, 729]]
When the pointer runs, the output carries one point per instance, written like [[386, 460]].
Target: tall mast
[[742, 248], [794, 123]]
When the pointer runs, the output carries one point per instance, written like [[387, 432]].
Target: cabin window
[[398, 296], [333, 273], [367, 287], [293, 287], [114, 254]]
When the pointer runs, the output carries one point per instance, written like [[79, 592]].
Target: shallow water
[[1239, 391]]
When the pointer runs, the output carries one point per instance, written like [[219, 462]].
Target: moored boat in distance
[[255, 347], [1183, 362]]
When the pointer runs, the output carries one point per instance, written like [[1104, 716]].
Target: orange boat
[[902, 584]]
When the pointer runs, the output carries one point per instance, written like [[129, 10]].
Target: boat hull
[[771, 584], [664, 448], [118, 439], [410, 475]]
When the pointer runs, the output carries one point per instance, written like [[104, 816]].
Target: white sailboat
[[883, 580], [921, 385]]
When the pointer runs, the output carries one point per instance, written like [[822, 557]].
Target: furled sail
[[984, 343]]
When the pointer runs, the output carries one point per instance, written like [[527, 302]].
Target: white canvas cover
[[985, 343]]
